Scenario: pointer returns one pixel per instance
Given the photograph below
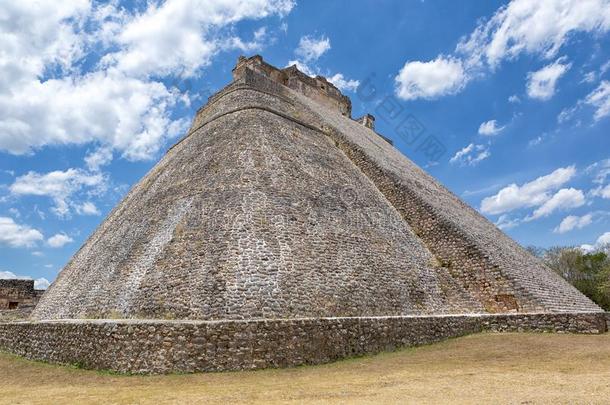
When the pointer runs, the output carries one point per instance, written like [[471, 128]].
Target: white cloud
[[599, 170], [602, 243], [541, 84], [127, 114], [567, 113], [601, 191], [589, 77], [600, 99], [310, 49], [58, 185], [39, 284], [586, 248], [564, 199], [46, 99], [344, 84], [536, 141], [505, 222], [70, 108], [533, 27], [98, 158], [530, 194], [573, 222], [490, 128], [514, 99], [470, 155], [303, 67], [256, 44], [429, 80], [87, 208], [181, 36], [603, 240], [16, 235], [59, 240], [538, 28]]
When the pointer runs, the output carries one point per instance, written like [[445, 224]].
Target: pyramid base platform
[[167, 346]]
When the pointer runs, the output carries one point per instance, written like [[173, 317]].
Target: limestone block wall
[[273, 206], [16, 293], [484, 260], [189, 346], [253, 215]]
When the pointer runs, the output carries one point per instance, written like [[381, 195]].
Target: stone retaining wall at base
[[150, 346]]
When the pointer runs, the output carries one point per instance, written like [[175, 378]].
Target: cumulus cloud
[[310, 49], [603, 242], [122, 105], [541, 84], [603, 239], [87, 208], [181, 36], [533, 27], [344, 84], [600, 99], [470, 155], [60, 186], [537, 28], [564, 199], [530, 194], [429, 80], [16, 235], [573, 222], [98, 158], [490, 128], [59, 240], [39, 283], [127, 114]]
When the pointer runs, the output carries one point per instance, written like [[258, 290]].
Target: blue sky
[[515, 95]]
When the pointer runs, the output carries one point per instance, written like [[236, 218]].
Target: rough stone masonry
[[280, 231]]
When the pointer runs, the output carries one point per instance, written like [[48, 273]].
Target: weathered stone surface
[[17, 298], [188, 346], [280, 232], [277, 206]]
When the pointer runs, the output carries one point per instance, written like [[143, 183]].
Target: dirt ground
[[485, 368]]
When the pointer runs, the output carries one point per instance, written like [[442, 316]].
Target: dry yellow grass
[[487, 368]]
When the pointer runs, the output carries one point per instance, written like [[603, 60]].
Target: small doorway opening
[[13, 305]]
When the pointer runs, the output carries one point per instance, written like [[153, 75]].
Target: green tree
[[588, 272]]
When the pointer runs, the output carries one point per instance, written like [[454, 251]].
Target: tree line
[[589, 271]]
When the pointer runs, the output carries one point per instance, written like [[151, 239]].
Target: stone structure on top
[[281, 231], [317, 88]]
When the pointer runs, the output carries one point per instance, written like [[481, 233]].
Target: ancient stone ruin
[[280, 231], [17, 298]]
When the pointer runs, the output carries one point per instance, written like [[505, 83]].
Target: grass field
[[485, 368]]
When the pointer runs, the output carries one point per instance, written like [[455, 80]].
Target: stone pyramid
[[278, 205]]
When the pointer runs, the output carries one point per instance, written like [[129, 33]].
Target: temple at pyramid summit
[[282, 231]]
